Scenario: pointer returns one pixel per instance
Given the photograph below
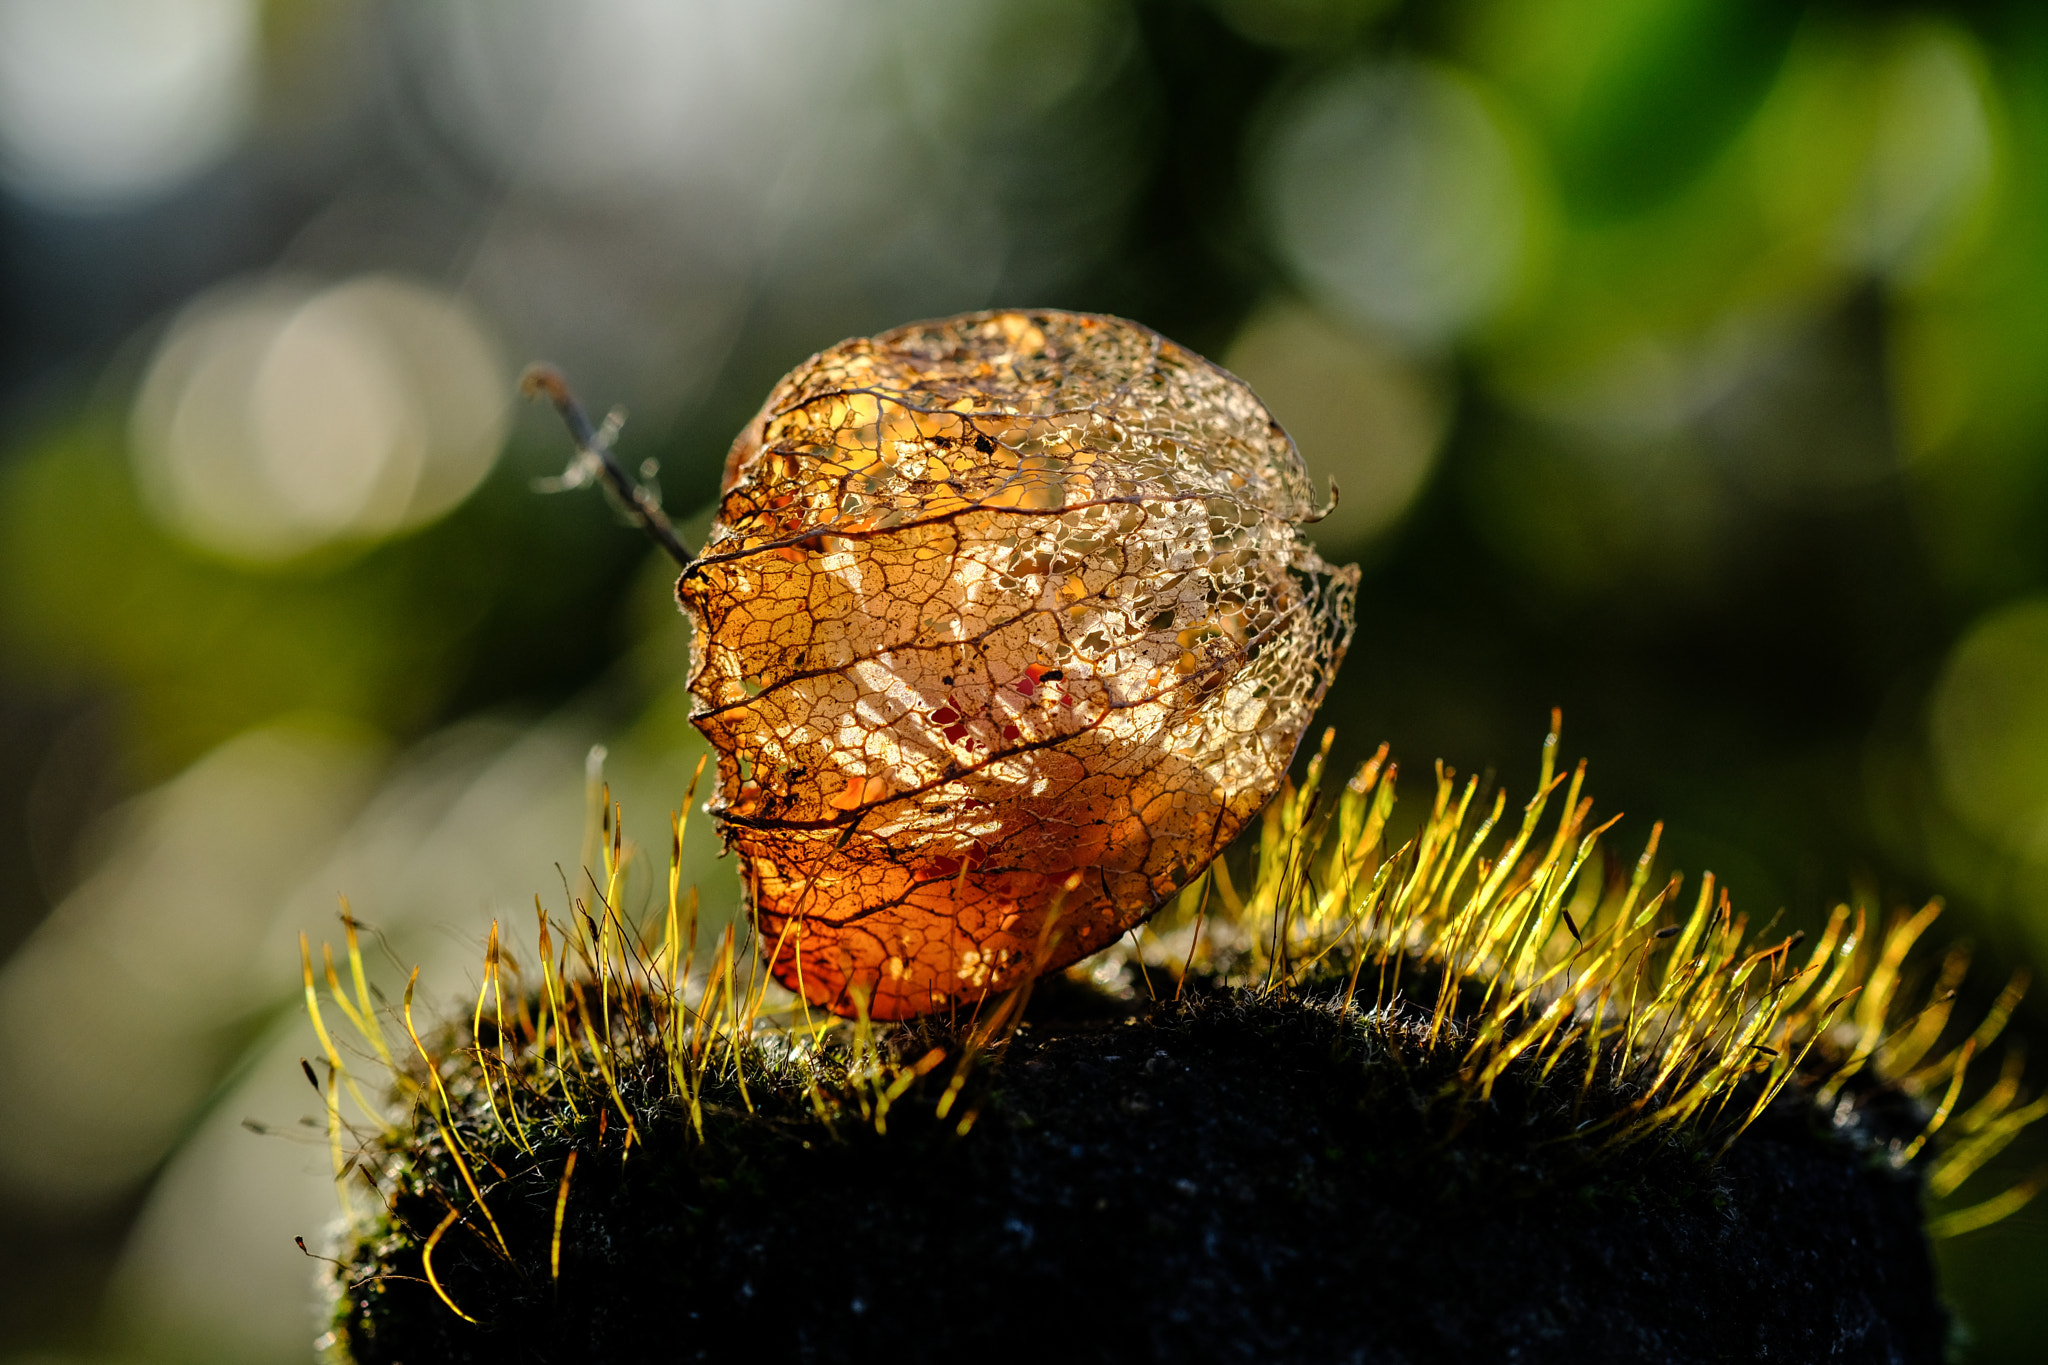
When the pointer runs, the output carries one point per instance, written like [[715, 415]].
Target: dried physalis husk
[[1000, 614]]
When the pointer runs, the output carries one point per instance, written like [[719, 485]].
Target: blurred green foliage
[[462, 615]]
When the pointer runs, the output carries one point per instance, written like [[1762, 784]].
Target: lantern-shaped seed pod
[[1001, 613]]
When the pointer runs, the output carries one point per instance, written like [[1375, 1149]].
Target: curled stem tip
[[595, 458]]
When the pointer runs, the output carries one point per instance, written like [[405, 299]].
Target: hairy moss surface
[[1242, 1176]]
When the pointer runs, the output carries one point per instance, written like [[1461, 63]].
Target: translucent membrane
[[1005, 629]]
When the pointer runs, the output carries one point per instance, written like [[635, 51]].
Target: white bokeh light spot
[[1396, 195], [104, 103], [278, 417], [634, 99]]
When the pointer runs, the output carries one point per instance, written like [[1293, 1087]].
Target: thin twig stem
[[545, 381]]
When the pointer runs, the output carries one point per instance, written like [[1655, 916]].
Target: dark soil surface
[[1235, 1180]]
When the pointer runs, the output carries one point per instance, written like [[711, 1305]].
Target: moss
[[1240, 1176]]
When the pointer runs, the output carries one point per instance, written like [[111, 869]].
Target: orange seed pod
[[990, 602]]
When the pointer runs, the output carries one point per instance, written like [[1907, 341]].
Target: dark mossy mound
[[1234, 1179]]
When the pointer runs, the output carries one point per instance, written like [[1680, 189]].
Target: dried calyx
[[1005, 628]]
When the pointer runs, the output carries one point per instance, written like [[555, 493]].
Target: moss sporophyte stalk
[[1006, 629]]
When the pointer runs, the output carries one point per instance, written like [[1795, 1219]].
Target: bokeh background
[[1684, 364]]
